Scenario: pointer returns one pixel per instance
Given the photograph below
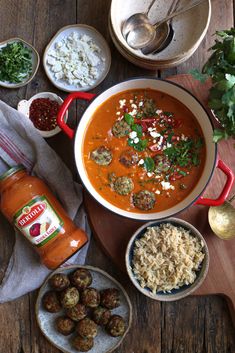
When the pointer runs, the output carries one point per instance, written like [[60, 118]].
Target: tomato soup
[[143, 151]]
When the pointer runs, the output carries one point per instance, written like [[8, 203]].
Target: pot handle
[[64, 107], [226, 190]]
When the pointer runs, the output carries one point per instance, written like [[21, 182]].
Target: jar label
[[38, 221]]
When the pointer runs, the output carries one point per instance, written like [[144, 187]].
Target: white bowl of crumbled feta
[[77, 58]]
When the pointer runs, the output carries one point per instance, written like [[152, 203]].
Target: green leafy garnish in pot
[[149, 164], [185, 153], [220, 67], [138, 129], [15, 62], [140, 146], [129, 119]]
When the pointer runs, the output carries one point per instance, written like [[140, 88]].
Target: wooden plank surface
[[193, 325]]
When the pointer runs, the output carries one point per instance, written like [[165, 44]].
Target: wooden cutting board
[[113, 232]]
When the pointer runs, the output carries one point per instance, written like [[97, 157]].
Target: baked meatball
[[64, 325], [102, 155], [50, 302], [81, 278], [87, 328], [69, 297], [123, 185], [83, 344], [162, 164], [116, 326], [101, 316], [144, 200], [77, 312], [59, 281], [129, 158], [121, 128], [90, 297], [109, 298]]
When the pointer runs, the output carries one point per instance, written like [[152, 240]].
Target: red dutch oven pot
[[182, 95]]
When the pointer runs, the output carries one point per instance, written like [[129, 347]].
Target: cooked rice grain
[[167, 257]]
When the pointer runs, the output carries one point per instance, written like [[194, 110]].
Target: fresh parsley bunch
[[220, 67]]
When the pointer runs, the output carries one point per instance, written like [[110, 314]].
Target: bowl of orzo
[[167, 260]]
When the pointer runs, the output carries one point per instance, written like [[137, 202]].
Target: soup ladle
[[222, 219], [164, 36], [136, 20], [144, 33]]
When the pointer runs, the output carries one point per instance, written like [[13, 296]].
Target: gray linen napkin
[[20, 143]]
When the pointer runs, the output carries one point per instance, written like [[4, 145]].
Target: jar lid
[[12, 171]]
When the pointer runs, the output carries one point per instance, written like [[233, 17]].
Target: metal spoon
[[222, 219], [136, 20], [164, 36], [144, 33]]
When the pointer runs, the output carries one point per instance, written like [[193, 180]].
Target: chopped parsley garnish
[[15, 62], [184, 153]]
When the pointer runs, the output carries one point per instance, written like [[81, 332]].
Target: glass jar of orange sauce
[[31, 207]]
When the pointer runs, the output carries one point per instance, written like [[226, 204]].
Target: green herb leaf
[[182, 172], [129, 119], [198, 75], [219, 135], [221, 68], [141, 145], [149, 164], [137, 128]]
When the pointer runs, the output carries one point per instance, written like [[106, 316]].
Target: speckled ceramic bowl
[[175, 294], [103, 343]]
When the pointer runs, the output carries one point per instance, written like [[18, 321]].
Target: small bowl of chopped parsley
[[19, 63]]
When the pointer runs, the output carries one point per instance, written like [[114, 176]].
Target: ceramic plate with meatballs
[[83, 309]]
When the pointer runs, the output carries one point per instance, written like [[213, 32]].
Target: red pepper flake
[[43, 113]]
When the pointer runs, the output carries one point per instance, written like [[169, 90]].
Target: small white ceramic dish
[[35, 63], [103, 343], [24, 105], [105, 55], [189, 28], [175, 294]]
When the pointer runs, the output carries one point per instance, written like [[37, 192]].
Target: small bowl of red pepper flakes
[[42, 110]]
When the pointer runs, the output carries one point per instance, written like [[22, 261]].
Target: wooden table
[[193, 325]]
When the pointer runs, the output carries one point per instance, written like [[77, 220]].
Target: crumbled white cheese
[[133, 134], [149, 174], [134, 106], [133, 112], [158, 192], [141, 104], [183, 137], [151, 128], [168, 145], [141, 161], [131, 101], [118, 113], [154, 134], [75, 60], [122, 102], [158, 111], [167, 186], [136, 140]]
